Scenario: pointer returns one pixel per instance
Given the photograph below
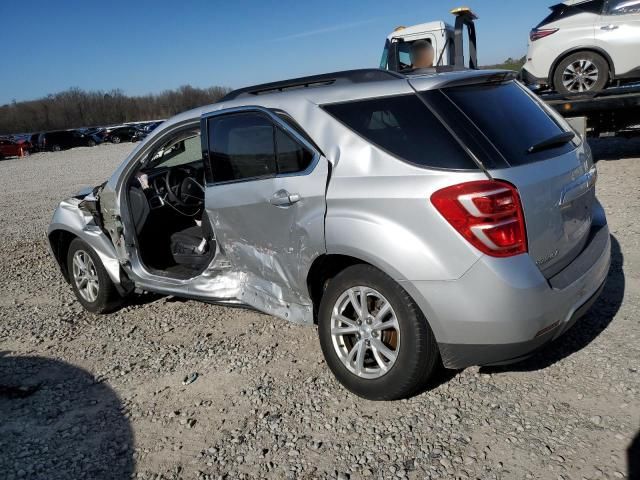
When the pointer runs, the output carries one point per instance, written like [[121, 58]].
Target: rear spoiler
[[476, 77]]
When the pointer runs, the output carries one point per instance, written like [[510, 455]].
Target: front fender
[[70, 219]]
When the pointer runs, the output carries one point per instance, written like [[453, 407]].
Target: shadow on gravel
[[633, 459], [614, 148], [585, 329], [57, 422]]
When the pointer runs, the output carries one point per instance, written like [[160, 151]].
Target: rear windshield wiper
[[555, 141]]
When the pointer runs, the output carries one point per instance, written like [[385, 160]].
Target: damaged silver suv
[[445, 218]]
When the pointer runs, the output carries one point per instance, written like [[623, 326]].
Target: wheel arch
[[328, 265], [59, 241], [593, 49]]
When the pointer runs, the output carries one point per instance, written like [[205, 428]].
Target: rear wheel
[[374, 337], [115, 139], [89, 279], [56, 148], [91, 143], [581, 72]]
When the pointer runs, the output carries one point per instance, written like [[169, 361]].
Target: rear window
[[404, 126], [507, 116], [562, 11]]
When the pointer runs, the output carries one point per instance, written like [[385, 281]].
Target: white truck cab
[[447, 42], [439, 34]]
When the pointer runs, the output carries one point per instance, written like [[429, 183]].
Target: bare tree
[[75, 108]]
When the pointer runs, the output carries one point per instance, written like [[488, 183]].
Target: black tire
[[56, 148], [115, 139], [595, 85], [108, 299], [417, 355], [91, 143]]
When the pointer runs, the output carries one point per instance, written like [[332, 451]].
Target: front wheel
[[581, 72], [374, 337], [115, 139], [89, 279]]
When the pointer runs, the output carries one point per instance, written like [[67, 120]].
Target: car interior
[[166, 203]]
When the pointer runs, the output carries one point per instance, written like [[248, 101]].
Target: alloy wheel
[[365, 332], [85, 276], [580, 76]]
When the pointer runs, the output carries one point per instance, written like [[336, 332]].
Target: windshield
[[181, 150], [384, 61]]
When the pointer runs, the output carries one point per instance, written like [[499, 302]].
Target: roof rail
[[349, 76]]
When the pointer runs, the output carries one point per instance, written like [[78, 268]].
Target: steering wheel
[[183, 190]]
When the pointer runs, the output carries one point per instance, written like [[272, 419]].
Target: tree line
[[75, 108]]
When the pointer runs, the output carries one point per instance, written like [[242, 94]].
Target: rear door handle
[[609, 27], [282, 198]]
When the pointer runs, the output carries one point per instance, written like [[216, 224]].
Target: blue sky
[[148, 46]]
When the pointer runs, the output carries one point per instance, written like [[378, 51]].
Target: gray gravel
[[85, 396]]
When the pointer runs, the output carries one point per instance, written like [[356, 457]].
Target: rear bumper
[[504, 309], [461, 356], [530, 79]]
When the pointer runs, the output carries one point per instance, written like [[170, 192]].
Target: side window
[[405, 127], [404, 53], [291, 156], [241, 147], [623, 7]]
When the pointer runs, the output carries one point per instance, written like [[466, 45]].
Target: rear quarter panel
[[379, 210]]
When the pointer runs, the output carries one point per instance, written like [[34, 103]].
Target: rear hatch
[[521, 141]]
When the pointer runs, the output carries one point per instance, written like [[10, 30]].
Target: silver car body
[[613, 31], [361, 202]]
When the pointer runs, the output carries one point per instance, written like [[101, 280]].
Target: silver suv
[[443, 218], [583, 45]]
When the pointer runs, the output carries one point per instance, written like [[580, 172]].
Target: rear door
[[555, 181], [266, 200], [618, 34]]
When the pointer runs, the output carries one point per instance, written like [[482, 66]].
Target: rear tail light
[[488, 213], [538, 33]]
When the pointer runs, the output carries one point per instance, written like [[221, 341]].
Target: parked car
[[65, 139], [33, 141], [119, 134], [583, 46], [147, 129], [410, 222], [98, 134], [151, 126], [14, 148]]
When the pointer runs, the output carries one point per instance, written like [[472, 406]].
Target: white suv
[[583, 45]]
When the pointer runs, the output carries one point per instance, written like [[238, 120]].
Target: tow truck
[[612, 112]]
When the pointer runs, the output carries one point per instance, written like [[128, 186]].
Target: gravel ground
[[85, 396]]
